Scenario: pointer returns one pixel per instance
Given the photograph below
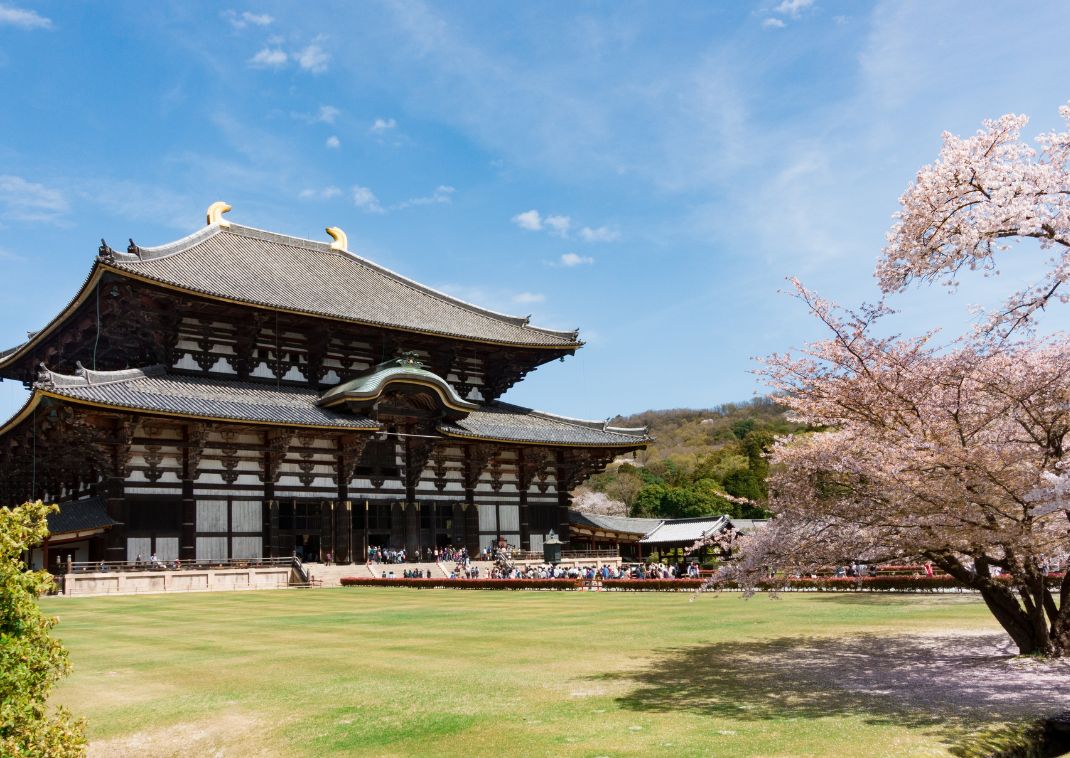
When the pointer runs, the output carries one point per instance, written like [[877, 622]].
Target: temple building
[[246, 394]]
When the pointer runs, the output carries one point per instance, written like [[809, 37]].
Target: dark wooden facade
[[184, 479]]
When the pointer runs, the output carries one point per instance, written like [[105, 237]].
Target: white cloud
[[381, 125], [530, 220], [245, 18], [528, 297], [7, 255], [601, 234], [22, 18], [325, 194], [793, 7], [558, 225], [570, 260], [313, 58], [327, 114], [333, 142], [773, 23], [366, 200], [443, 195], [269, 57], [21, 200]]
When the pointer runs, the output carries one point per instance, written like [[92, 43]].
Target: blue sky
[[648, 172]]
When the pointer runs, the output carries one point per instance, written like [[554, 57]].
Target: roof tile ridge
[[168, 248], [598, 426], [84, 377], [206, 232]]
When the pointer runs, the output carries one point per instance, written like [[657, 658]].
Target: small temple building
[[244, 394]]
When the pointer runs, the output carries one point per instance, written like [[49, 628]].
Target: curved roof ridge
[[325, 247], [250, 232], [168, 248], [600, 426], [90, 377]]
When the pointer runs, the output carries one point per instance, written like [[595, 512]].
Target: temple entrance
[[307, 547]]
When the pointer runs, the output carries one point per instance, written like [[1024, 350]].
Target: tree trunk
[[1030, 639]]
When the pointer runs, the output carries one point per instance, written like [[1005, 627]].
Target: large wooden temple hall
[[244, 394]]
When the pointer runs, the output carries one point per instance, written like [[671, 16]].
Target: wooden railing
[[566, 555]]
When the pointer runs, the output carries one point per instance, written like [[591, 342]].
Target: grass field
[[443, 672]]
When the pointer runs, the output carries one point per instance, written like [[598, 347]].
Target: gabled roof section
[[685, 530], [152, 390], [80, 516], [261, 268], [504, 422], [622, 524]]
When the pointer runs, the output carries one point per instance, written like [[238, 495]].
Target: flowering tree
[[983, 193], [950, 453]]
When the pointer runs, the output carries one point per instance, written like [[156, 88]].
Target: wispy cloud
[[381, 125], [533, 221], [22, 18], [312, 58], [773, 23], [22, 200], [327, 114], [7, 255], [600, 234], [571, 260], [366, 200], [246, 18], [793, 7], [443, 195], [269, 57], [561, 226], [333, 142], [525, 298], [326, 193], [529, 220]]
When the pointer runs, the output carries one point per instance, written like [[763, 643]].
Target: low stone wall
[[190, 580]]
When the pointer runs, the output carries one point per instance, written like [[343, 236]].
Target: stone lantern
[[551, 548]]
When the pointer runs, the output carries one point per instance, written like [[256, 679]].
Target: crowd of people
[[427, 555]]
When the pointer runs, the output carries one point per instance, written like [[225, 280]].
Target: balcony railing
[[89, 567]]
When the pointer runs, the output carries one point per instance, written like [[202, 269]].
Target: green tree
[[30, 660]]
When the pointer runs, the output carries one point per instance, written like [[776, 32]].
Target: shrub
[[466, 584]]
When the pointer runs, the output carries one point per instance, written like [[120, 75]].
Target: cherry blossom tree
[[984, 193], [952, 453]]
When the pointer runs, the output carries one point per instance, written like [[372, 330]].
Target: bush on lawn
[[466, 584]]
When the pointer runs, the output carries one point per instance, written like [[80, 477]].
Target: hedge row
[[820, 584], [466, 584]]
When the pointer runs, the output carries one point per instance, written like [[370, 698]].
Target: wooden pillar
[[397, 525], [412, 529], [364, 557], [326, 529], [525, 527], [457, 524], [471, 524], [343, 532], [116, 507]]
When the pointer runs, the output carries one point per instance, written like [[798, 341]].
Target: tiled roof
[[747, 525], [507, 422], [155, 391], [80, 516], [263, 268], [624, 524], [684, 530]]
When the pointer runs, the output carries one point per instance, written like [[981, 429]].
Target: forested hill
[[698, 457], [687, 431]]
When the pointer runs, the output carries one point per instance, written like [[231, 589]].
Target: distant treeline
[[699, 455]]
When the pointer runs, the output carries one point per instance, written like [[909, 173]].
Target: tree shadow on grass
[[949, 685]]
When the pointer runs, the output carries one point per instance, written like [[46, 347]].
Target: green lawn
[[445, 672]]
